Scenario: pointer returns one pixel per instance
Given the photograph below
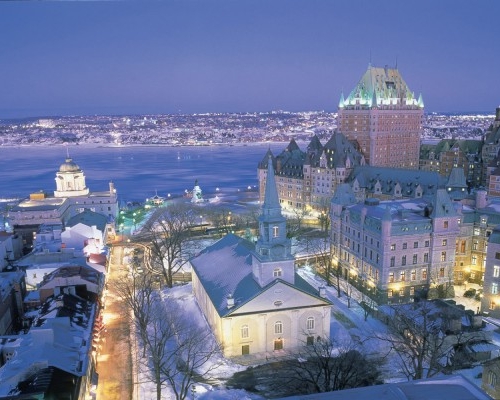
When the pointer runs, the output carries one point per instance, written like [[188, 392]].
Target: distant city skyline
[[199, 56]]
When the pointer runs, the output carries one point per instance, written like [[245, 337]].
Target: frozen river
[[137, 171]]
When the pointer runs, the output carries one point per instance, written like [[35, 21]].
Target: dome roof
[[69, 166]]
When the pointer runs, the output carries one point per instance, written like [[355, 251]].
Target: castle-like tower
[[383, 115]]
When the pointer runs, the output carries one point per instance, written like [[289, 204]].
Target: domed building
[[71, 197], [70, 180]]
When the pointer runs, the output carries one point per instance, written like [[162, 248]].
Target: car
[[470, 293]]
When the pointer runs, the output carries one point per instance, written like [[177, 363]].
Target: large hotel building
[[380, 114]]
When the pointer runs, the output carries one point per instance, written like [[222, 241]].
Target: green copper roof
[[382, 86]]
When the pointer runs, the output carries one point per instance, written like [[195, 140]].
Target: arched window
[[278, 327], [492, 378], [276, 231], [277, 272], [310, 323], [244, 332]]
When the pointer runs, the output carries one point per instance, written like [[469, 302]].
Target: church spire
[[271, 205]]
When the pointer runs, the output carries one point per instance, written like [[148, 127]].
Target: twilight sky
[[195, 56]]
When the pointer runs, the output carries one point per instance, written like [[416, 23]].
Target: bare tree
[[326, 365], [174, 352], [221, 219], [196, 346], [166, 237], [423, 339]]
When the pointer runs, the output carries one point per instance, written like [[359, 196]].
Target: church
[[251, 295], [71, 197]]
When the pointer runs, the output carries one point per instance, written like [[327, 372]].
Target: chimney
[[497, 116], [230, 301]]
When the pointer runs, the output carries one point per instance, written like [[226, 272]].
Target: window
[[497, 256], [403, 260], [445, 242], [415, 245], [402, 275], [443, 256], [415, 258], [310, 323], [474, 245], [474, 260], [278, 327], [278, 344], [492, 378], [393, 246], [402, 292], [244, 332], [405, 245], [277, 272], [412, 291], [426, 257], [393, 261], [494, 288], [413, 274], [276, 231], [492, 305], [245, 349], [391, 277], [424, 274], [389, 293], [310, 340], [445, 224], [496, 271], [427, 243], [441, 272]]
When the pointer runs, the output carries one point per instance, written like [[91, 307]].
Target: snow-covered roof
[[225, 268], [448, 387]]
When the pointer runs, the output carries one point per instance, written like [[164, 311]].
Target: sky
[[197, 56]]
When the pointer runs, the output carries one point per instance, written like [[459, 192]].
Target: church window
[[278, 327], [275, 231], [277, 272], [492, 378], [244, 332], [310, 323]]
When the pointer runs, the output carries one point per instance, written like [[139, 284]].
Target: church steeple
[[272, 257]]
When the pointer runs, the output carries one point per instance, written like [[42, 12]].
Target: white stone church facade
[[251, 295]]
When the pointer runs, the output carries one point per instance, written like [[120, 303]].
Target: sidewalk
[[114, 362]]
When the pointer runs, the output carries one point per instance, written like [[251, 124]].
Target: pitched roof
[[225, 268], [89, 218]]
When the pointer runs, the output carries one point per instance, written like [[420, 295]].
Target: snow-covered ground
[[350, 324]]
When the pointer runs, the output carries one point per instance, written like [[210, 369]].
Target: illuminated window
[[494, 288], [443, 256], [445, 224], [393, 246], [389, 293], [424, 274], [441, 272], [474, 260], [413, 274], [402, 275], [391, 277], [496, 271], [244, 332]]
